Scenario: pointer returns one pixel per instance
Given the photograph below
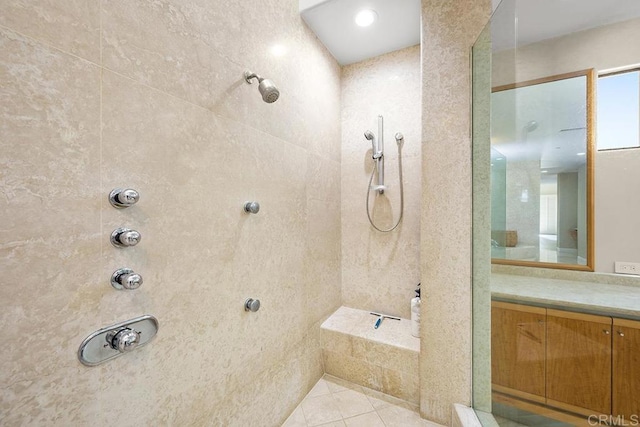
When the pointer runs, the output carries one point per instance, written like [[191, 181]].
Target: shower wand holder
[[379, 188]]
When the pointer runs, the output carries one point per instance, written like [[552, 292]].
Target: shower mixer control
[[123, 237], [123, 197], [115, 340], [125, 278], [124, 340]]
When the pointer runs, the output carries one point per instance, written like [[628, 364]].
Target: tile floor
[[337, 403]]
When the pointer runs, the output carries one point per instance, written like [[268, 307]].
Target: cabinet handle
[[621, 333], [606, 331]]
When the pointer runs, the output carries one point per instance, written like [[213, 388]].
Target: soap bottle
[[415, 314]]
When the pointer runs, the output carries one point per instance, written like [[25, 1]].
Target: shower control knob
[[123, 198], [122, 237], [252, 305], [252, 207], [125, 278], [123, 340]]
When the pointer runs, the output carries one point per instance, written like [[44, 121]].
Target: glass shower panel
[[498, 203], [522, 353]]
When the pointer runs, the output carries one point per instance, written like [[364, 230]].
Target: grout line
[[47, 45], [100, 167], [244, 124]]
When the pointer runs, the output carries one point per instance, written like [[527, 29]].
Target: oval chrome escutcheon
[[115, 340]]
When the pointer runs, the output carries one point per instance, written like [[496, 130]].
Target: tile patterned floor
[[337, 403]]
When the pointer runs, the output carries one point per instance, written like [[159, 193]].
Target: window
[[619, 110]]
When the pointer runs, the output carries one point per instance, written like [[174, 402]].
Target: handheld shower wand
[[378, 159], [369, 136]]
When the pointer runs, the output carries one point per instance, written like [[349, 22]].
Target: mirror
[[542, 172]]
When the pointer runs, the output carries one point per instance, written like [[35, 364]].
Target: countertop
[[589, 297]]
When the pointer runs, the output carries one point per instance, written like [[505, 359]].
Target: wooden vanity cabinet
[[626, 368], [561, 360], [578, 372], [518, 350]]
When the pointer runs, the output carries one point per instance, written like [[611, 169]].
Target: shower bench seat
[[384, 359]]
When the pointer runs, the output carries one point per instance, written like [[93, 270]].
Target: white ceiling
[[398, 24]]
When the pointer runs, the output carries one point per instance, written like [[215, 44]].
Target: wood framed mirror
[[542, 183]]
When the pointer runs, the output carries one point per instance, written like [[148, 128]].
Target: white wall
[[602, 48], [618, 208]]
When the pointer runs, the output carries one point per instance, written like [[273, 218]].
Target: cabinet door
[[626, 368], [517, 350], [578, 372]]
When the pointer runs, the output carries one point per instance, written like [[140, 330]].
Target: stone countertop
[[597, 298]]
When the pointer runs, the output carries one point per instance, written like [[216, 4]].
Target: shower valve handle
[[123, 340], [125, 278], [123, 198], [252, 207], [252, 305], [122, 237]]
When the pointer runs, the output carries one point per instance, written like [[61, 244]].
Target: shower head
[[269, 91], [399, 138], [267, 88], [531, 126], [370, 137]]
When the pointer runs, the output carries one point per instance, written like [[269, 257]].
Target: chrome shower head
[[269, 91], [370, 137], [267, 88], [531, 126]]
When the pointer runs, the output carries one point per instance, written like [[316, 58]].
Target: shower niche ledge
[[384, 359]]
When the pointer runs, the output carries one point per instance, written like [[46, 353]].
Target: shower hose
[[373, 171]]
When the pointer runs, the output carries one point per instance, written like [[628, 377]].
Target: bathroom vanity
[[564, 349]]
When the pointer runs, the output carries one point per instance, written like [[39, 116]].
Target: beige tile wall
[[100, 94], [381, 270], [384, 359], [449, 31]]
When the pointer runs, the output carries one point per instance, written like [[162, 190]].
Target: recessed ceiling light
[[581, 154], [544, 171], [366, 17]]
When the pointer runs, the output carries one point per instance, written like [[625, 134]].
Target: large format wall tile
[[381, 270], [192, 192], [173, 118], [181, 49], [72, 25], [49, 239]]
